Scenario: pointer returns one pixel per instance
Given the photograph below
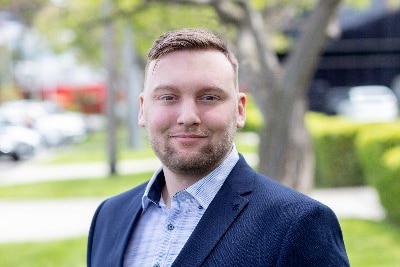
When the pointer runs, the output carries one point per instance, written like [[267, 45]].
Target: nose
[[188, 113]]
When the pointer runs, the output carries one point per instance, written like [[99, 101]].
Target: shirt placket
[[169, 234]]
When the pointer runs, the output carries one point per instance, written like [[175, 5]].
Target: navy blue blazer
[[252, 221]]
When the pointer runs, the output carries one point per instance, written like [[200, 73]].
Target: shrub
[[335, 154], [388, 184], [371, 143], [254, 119]]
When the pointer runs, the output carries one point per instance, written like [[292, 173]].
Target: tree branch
[[116, 14], [270, 65], [302, 61], [226, 9]]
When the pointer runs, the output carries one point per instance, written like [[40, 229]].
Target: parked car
[[368, 103], [17, 142], [65, 127], [56, 126]]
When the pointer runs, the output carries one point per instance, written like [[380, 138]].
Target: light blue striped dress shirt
[[161, 233]]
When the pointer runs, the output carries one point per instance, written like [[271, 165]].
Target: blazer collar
[[222, 212]]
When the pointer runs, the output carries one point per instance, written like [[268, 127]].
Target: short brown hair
[[190, 39]]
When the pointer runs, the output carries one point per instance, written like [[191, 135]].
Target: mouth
[[188, 134], [185, 135], [187, 138]]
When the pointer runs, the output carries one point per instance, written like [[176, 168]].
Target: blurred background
[[327, 72]]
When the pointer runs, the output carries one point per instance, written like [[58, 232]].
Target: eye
[[167, 98], [209, 98]]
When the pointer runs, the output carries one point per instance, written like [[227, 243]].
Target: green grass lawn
[[369, 244], [66, 253], [96, 187], [372, 244]]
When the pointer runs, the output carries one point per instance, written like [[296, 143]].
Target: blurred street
[[34, 220]]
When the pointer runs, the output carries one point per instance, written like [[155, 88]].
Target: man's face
[[191, 110]]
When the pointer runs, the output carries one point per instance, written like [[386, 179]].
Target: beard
[[200, 162]]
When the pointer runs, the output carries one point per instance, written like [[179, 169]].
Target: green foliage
[[301, 5], [72, 27], [388, 184], [349, 154], [79, 24], [254, 119], [336, 159], [158, 18], [358, 4], [379, 153], [371, 143]]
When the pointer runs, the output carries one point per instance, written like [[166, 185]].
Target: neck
[[175, 183]]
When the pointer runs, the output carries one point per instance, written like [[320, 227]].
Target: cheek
[[220, 120], [159, 119]]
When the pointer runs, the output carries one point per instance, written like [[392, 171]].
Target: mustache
[[189, 132]]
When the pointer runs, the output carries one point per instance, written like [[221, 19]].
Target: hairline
[[164, 45]]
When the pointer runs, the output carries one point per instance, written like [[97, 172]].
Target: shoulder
[[264, 193], [115, 208]]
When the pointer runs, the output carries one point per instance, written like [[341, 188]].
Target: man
[[206, 206]]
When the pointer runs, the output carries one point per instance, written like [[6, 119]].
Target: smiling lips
[[187, 138]]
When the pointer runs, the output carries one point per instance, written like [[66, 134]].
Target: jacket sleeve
[[315, 239]]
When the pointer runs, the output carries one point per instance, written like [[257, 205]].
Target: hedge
[[336, 158], [349, 153], [254, 119], [388, 184], [371, 143]]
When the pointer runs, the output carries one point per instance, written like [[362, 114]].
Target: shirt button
[[170, 227], [200, 207], [156, 265]]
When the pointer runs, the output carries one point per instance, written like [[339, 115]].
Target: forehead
[[190, 55], [190, 66]]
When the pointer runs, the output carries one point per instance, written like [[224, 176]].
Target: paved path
[[40, 220], [33, 220]]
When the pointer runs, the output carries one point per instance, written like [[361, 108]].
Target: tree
[[23, 10], [280, 88]]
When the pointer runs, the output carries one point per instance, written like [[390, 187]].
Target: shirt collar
[[203, 190]]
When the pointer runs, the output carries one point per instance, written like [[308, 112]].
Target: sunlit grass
[[372, 244], [66, 253], [96, 187]]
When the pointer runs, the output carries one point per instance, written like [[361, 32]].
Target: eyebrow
[[172, 88], [164, 88]]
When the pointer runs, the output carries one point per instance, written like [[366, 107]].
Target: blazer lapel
[[132, 214], [222, 212]]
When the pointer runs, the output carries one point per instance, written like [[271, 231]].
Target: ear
[[241, 110], [141, 117]]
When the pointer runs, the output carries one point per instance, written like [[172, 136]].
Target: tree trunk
[[285, 151]]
